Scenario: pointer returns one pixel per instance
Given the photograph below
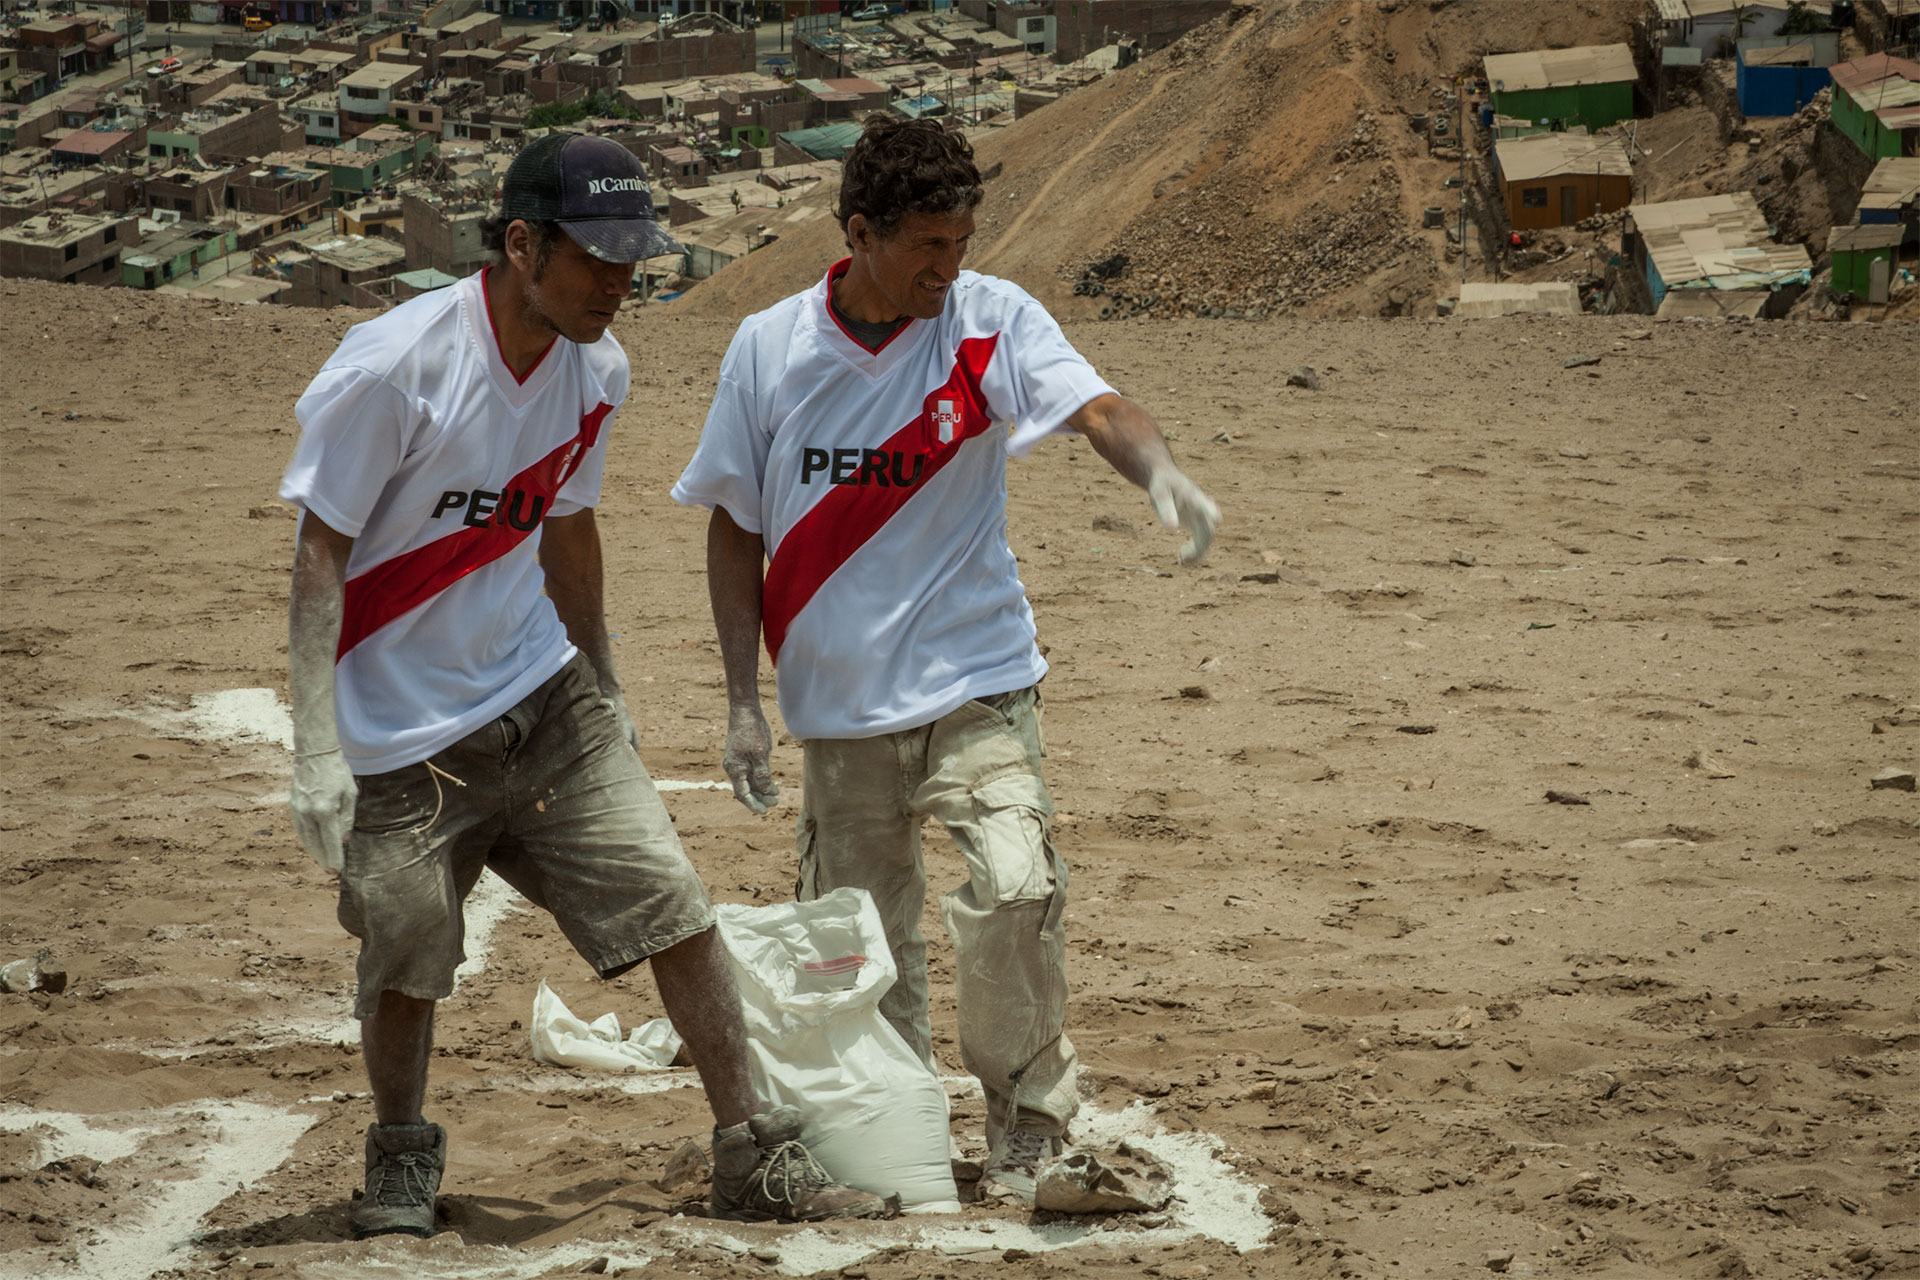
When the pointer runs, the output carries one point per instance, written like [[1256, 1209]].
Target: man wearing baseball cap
[[455, 703]]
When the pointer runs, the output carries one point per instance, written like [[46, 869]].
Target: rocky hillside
[[1262, 164]]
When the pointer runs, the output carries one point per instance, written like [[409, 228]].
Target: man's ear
[[859, 234], [519, 245]]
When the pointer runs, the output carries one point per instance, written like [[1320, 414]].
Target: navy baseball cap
[[595, 189]]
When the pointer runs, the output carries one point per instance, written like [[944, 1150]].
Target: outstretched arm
[[324, 791], [576, 583], [736, 573], [1133, 445]]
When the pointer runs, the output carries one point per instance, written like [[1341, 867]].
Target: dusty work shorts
[[556, 802]]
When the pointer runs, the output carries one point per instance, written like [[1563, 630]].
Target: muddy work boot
[[762, 1172], [1013, 1167], [404, 1163]]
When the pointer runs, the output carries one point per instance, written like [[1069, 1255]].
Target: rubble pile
[[1213, 256]]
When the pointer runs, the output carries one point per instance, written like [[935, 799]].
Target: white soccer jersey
[[877, 480], [418, 441]]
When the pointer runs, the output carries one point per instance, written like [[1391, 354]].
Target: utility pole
[[1460, 140]]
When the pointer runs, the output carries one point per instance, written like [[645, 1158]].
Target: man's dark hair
[[493, 238], [900, 167]]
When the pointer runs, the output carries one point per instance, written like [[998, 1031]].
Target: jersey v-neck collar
[[843, 339], [518, 391]]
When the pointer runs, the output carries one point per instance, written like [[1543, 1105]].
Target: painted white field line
[[1211, 1200], [258, 716], [229, 1144], [400, 1258], [219, 1145]]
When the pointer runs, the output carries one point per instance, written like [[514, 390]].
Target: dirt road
[[1390, 1008]]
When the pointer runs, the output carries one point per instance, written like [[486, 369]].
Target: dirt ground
[[1391, 1008]]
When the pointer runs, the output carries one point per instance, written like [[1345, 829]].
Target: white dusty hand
[[323, 796], [1178, 501], [749, 759]]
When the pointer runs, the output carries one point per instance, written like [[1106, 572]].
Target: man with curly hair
[[855, 463]]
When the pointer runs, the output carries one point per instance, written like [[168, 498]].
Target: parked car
[[257, 23], [569, 23], [164, 67], [873, 13]]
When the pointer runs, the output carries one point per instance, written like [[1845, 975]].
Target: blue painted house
[[1778, 75]]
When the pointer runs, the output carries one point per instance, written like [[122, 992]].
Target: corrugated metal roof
[[1878, 235], [1786, 55], [1719, 241], [1682, 55], [1482, 300], [1886, 94], [1714, 8], [1892, 183], [1671, 10], [1545, 154], [828, 141], [1686, 304], [1552, 68], [1872, 69]]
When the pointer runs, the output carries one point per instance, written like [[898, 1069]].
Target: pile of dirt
[[1263, 163]]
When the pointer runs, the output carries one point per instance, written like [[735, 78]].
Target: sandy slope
[[1262, 162], [1322, 909]]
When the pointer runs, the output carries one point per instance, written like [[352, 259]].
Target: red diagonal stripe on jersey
[[400, 585], [841, 522]]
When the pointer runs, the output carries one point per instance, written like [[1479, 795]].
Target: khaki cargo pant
[[976, 770]]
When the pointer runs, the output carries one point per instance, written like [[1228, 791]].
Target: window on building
[[326, 122], [355, 91], [1036, 24], [1533, 197], [343, 276], [112, 233], [73, 251], [157, 150], [109, 263]]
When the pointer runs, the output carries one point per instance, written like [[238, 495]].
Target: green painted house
[[1876, 104], [1856, 249], [175, 252], [369, 162], [1591, 85]]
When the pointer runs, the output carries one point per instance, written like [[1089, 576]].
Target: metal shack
[[1778, 75], [1720, 244], [1558, 179], [1863, 259], [1876, 103], [1892, 194], [1590, 85]]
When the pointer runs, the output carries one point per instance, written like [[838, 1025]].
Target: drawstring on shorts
[[435, 772]]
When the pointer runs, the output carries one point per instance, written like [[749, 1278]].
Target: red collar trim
[[834, 272], [494, 325]]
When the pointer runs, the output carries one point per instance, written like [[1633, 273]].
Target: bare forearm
[[576, 583], [735, 576], [1124, 434], [1133, 445]]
